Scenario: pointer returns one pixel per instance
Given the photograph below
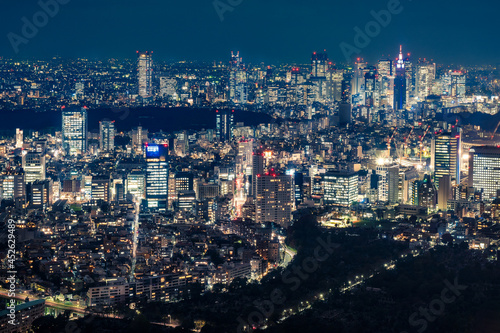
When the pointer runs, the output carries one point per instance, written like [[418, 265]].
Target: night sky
[[275, 31]]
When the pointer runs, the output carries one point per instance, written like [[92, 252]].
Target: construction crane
[[422, 142], [389, 141], [405, 147], [495, 131]]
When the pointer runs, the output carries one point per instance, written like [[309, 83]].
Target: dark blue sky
[[458, 31]]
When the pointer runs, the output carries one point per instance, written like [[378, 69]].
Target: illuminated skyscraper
[[400, 83], [107, 135], [340, 188], [157, 176], [386, 82], [145, 73], [274, 199], [237, 80], [424, 79], [454, 84], [484, 171], [74, 130], [224, 124], [319, 64], [446, 155], [34, 167]]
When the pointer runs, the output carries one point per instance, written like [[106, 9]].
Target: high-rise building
[[319, 64], [456, 86], [274, 199], [427, 193], [340, 188], [484, 171], [258, 164], [136, 184], [345, 114], [224, 124], [34, 167], [107, 135], [444, 193], [424, 79], [74, 130], [19, 138], [447, 156], [40, 194], [157, 176], [237, 80], [14, 186], [386, 82], [145, 73], [100, 188], [400, 83]]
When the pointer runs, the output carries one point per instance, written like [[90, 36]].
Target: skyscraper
[[446, 154], [424, 79], [400, 83], [107, 135], [484, 171], [34, 167], [74, 130], [237, 80], [319, 64], [157, 176], [145, 73], [275, 198], [224, 124], [386, 82], [340, 188], [258, 164]]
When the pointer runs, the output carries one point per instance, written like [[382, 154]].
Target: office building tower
[[319, 64], [371, 94], [157, 176], [40, 194], [184, 181], [258, 164], [447, 156], [237, 80], [275, 199], [34, 167], [484, 171], [107, 135], [19, 138], [386, 82], [345, 114], [400, 83], [334, 79], [224, 120], [456, 87], [444, 193], [74, 130], [100, 188], [427, 193], [346, 91], [136, 184], [145, 73], [358, 78], [340, 188], [14, 186], [424, 79], [244, 158]]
